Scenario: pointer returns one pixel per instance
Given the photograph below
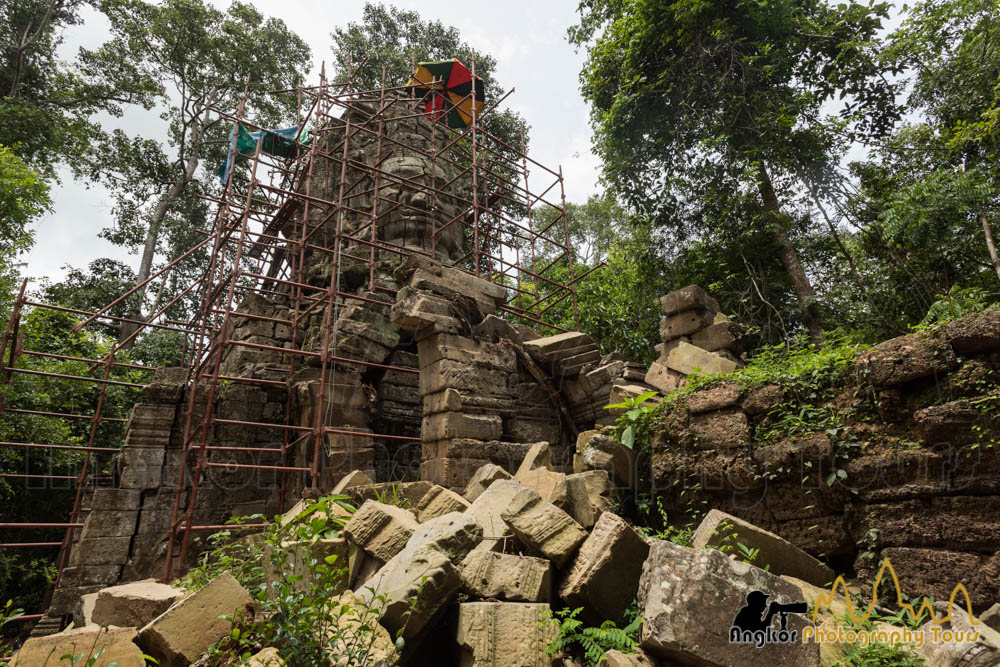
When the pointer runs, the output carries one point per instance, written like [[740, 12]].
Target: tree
[[47, 105], [700, 109], [204, 58], [594, 226]]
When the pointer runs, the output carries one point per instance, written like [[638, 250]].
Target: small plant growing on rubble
[[7, 614], [594, 642], [878, 654], [312, 620], [635, 424]]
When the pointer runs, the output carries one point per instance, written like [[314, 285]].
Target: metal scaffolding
[[264, 233]]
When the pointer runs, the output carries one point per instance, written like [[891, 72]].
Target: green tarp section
[[280, 143]]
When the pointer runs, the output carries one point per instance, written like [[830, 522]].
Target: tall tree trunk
[[156, 224], [789, 257], [988, 231]]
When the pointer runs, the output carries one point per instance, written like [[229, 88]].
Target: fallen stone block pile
[[473, 579], [696, 337]]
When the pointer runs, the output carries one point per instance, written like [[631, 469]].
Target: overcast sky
[[528, 39]]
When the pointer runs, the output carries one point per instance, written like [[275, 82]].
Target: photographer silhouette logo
[[752, 624]]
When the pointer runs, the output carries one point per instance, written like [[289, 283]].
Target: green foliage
[[297, 618], [635, 424], [652, 522], [593, 642], [956, 303], [729, 543], [877, 654], [23, 197], [8, 614]]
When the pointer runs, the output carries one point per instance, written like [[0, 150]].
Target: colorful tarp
[[446, 87], [280, 143]]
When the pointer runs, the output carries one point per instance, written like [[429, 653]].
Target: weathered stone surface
[[357, 626], [539, 456], [134, 604], [905, 359], [603, 452], [637, 658], [715, 398], [664, 379], [689, 359], [985, 650], [548, 349], [381, 530], [101, 551], [115, 645], [505, 576], [991, 616], [423, 273], [717, 336], [953, 422], [543, 526], [588, 495], [299, 559], [179, 636], [424, 571], [934, 572], [267, 657], [780, 556], [812, 453], [488, 507], [724, 429], [551, 486], [973, 334], [504, 634], [484, 477], [762, 399], [604, 575], [421, 583], [351, 480], [687, 298], [438, 501], [688, 599], [448, 425], [83, 612], [685, 323]]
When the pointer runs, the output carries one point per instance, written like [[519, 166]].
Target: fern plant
[[593, 642]]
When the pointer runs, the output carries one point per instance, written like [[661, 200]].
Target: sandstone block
[[543, 526], [687, 298], [664, 379], [115, 645], [689, 359], [762, 399], [685, 323], [422, 577], [688, 599], [546, 350], [588, 495], [605, 453], [482, 480], [504, 634], [101, 551], [381, 530], [506, 576], [109, 523], [718, 336], [134, 604], [539, 456], [488, 507], [781, 556], [83, 612], [267, 657], [448, 425], [551, 486], [351, 480], [179, 636], [974, 334], [115, 499], [438, 501], [604, 575]]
